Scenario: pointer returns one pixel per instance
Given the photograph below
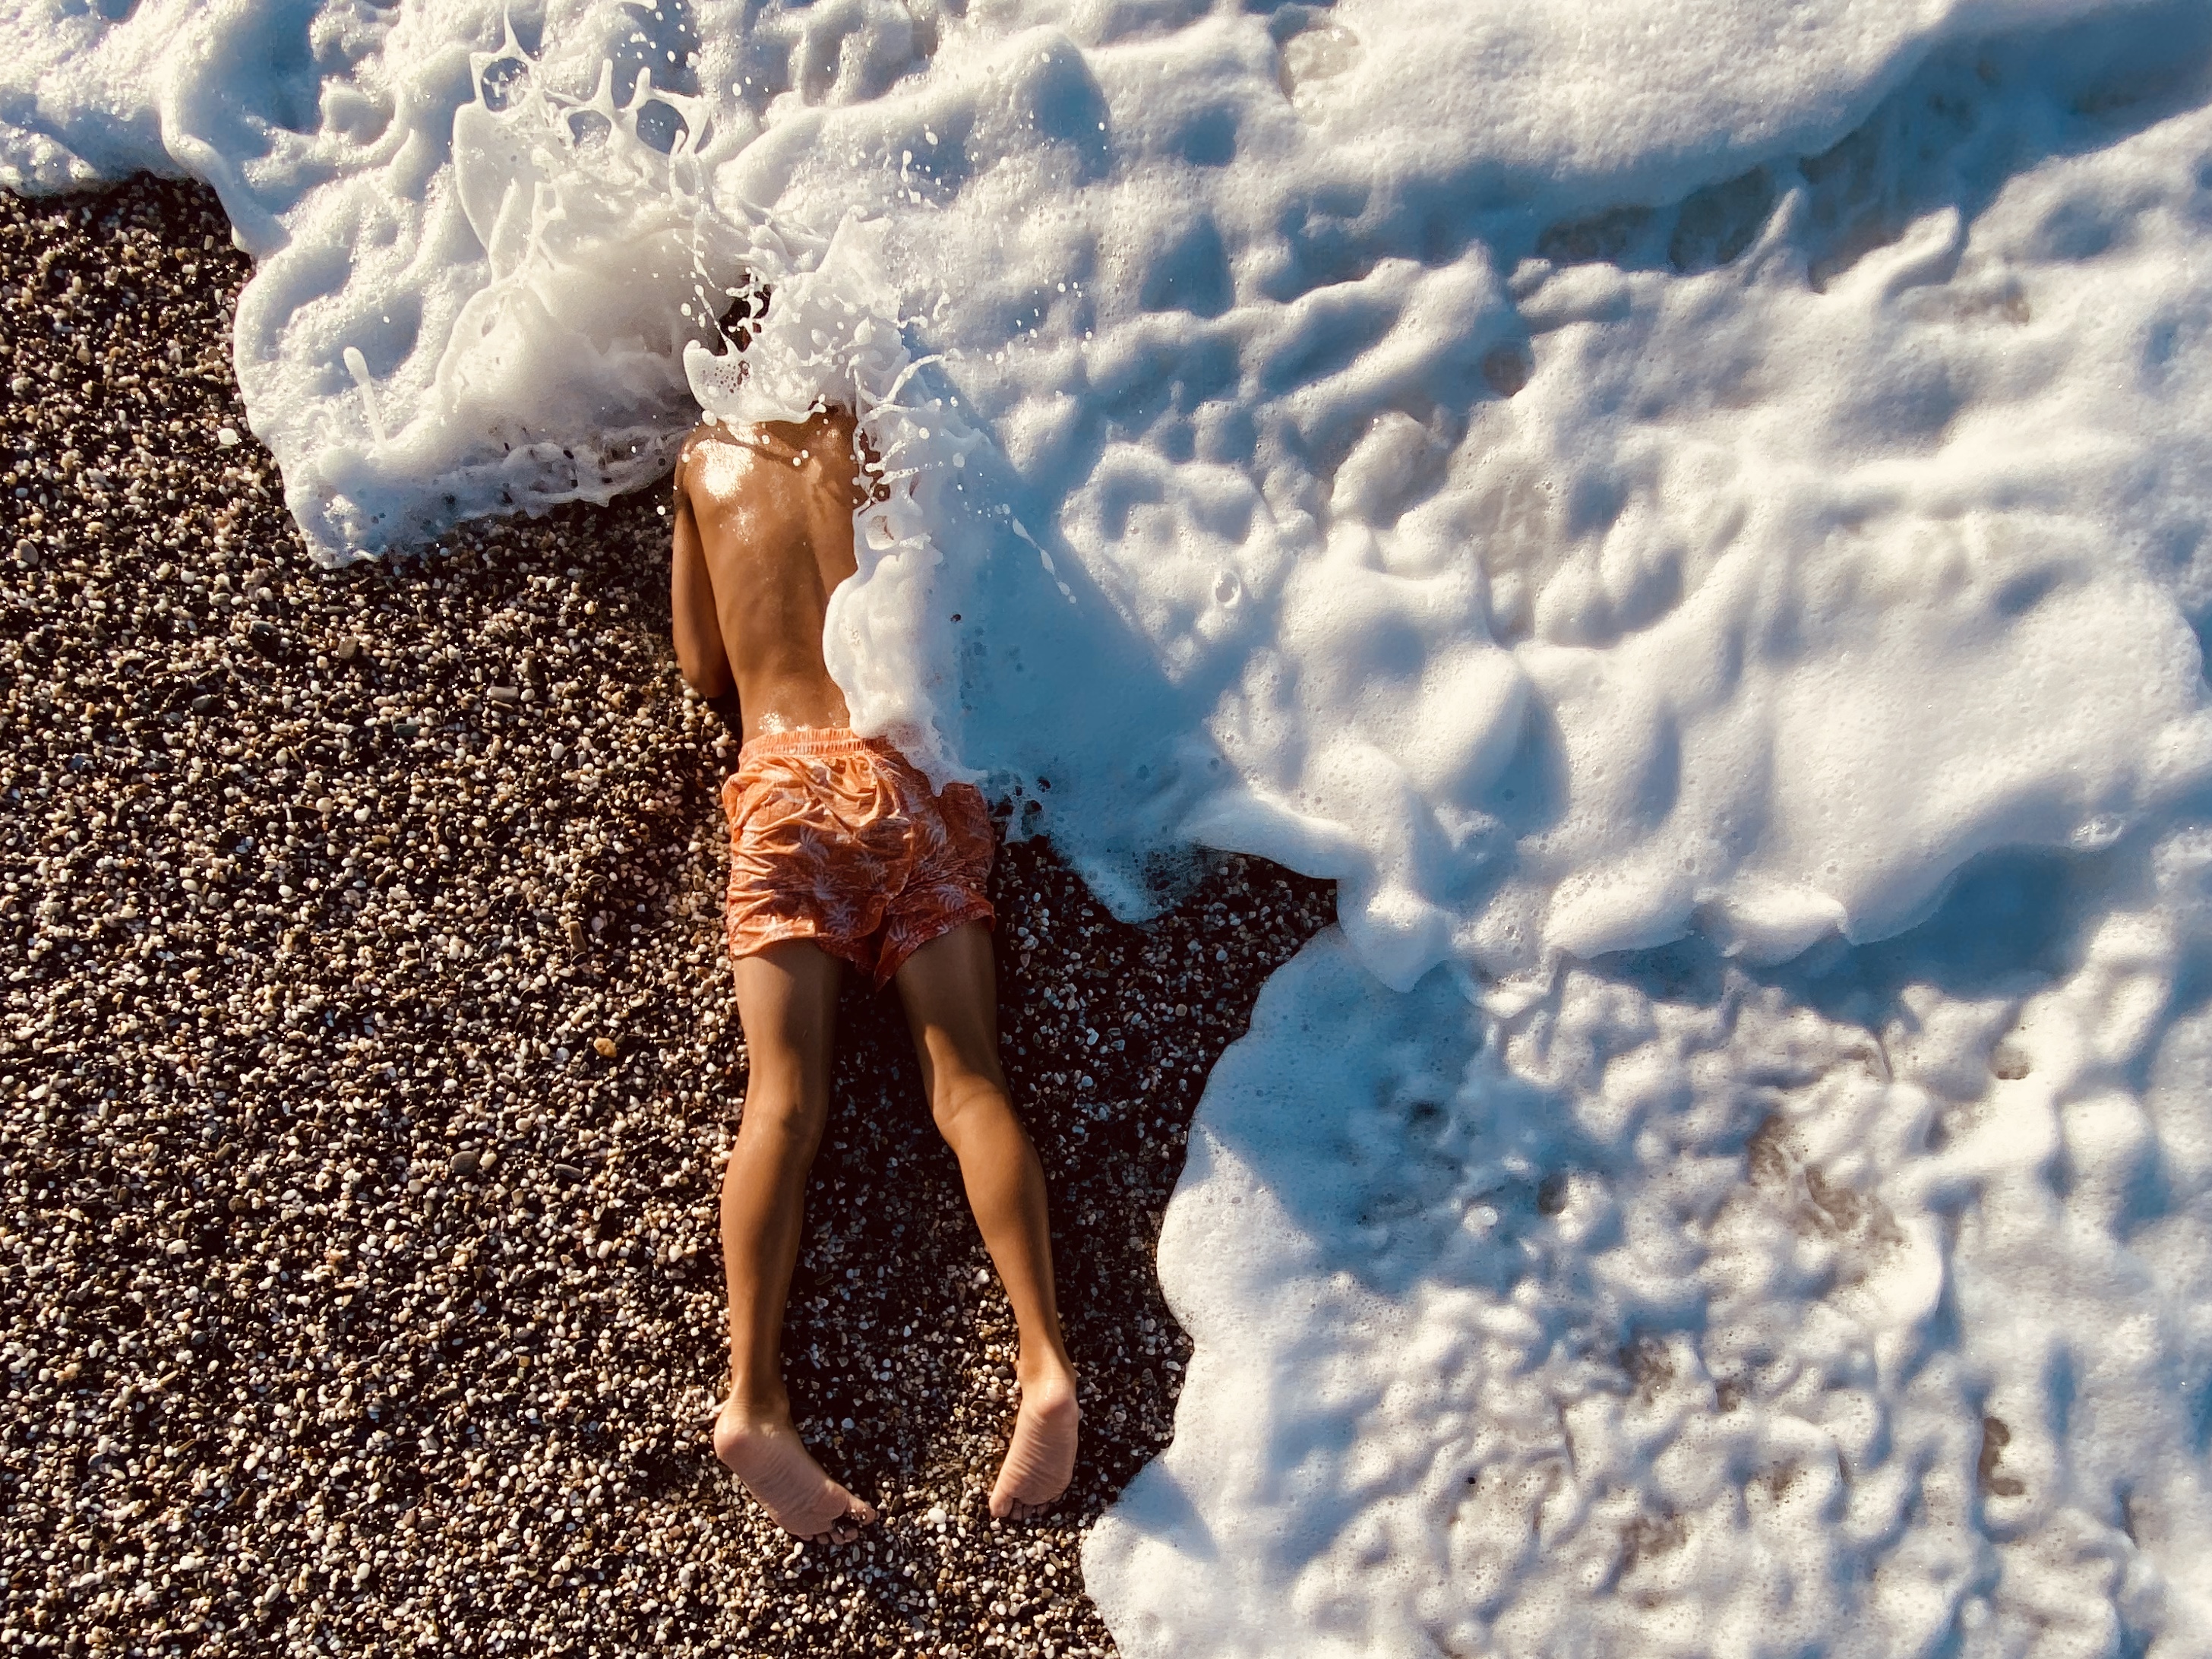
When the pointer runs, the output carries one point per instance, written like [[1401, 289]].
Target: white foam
[[1662, 1319], [1577, 475]]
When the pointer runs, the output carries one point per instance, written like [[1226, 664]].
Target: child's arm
[[697, 627]]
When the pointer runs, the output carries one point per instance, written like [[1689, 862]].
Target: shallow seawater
[[1693, 516]]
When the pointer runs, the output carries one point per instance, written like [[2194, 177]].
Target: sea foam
[[1672, 506]]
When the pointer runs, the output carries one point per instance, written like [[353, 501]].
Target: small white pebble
[[226, 436]]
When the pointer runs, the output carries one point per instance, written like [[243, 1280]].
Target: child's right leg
[[787, 1000]]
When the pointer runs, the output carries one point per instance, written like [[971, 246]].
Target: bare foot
[[1042, 1459], [766, 1453]]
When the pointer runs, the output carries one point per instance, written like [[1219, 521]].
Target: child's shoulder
[[708, 431], [709, 440]]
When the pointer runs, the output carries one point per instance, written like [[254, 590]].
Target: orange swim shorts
[[837, 839]]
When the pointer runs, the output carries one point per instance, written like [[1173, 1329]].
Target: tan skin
[[763, 534]]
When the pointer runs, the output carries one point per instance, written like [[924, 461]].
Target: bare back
[[763, 534]]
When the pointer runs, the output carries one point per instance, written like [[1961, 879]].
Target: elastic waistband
[[813, 740]]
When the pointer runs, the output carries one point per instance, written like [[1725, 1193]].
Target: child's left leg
[[950, 989]]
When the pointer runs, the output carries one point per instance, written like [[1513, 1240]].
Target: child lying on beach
[[840, 853]]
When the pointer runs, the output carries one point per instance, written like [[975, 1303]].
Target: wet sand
[[368, 1057]]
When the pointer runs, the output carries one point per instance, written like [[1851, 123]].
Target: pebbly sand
[[367, 1059]]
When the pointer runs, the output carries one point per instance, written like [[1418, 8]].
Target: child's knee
[[961, 1094], [782, 1112]]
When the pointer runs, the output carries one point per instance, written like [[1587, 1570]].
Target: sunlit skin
[[764, 534]]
